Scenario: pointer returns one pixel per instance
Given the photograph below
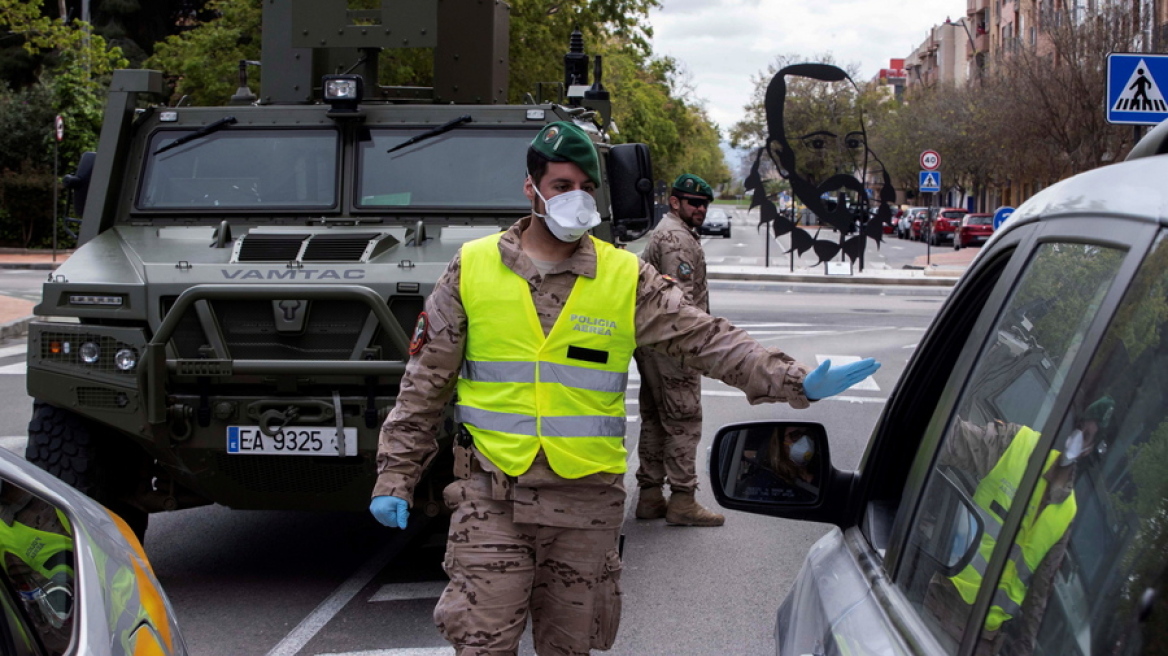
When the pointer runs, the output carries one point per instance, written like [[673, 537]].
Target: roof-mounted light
[[343, 93]]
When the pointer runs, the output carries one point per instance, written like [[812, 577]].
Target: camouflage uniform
[[538, 543], [671, 393]]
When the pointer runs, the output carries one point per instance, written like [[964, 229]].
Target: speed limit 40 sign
[[930, 160]]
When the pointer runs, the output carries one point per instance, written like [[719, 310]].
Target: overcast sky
[[723, 43]]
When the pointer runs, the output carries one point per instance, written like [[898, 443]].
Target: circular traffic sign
[[930, 160], [59, 126], [1000, 216]]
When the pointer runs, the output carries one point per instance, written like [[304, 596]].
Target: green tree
[[203, 62]]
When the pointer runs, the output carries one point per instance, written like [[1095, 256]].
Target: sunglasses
[[695, 202]]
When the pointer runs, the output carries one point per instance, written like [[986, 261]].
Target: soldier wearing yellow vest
[[998, 455], [534, 328]]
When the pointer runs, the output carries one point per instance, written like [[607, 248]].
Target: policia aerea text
[[540, 498]]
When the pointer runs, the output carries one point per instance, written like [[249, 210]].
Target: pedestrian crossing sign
[[930, 181], [1136, 83]]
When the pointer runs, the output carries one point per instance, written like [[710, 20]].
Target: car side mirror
[[78, 182], [630, 186], [772, 468], [955, 522]]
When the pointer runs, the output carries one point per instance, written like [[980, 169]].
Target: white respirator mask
[[569, 215], [1074, 448], [802, 450]]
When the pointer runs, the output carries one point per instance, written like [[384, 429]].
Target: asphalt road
[[251, 582]]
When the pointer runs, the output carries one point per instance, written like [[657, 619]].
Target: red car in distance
[[945, 225], [974, 229]]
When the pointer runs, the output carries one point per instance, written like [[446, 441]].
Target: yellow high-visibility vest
[[1037, 534], [520, 391]]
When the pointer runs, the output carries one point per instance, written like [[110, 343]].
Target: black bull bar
[[157, 366]]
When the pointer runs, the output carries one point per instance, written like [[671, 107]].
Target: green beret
[[564, 142], [688, 183], [1100, 411]]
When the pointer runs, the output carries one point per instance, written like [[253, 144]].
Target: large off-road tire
[[104, 468]]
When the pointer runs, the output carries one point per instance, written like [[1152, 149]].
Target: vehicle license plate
[[290, 441]]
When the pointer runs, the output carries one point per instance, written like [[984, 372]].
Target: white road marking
[[866, 384], [14, 443], [407, 651], [407, 591], [19, 349], [18, 369], [318, 618]]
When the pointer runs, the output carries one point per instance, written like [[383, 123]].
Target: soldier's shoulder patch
[[684, 271], [421, 334], [669, 279]]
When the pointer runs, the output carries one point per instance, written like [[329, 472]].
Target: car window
[[36, 545], [952, 215], [991, 438], [1107, 594]]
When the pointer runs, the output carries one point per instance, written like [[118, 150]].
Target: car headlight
[[89, 352], [126, 359]]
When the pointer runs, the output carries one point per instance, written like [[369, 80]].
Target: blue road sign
[[1135, 88], [930, 181], [1000, 216]]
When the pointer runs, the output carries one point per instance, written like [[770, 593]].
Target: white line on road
[[18, 369], [14, 443], [19, 349], [407, 591], [407, 651], [317, 619]]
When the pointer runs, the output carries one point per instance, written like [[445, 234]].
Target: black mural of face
[[824, 156]]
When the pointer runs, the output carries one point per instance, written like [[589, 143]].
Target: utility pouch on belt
[[463, 452]]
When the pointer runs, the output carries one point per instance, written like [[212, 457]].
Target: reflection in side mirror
[[771, 462], [954, 521]]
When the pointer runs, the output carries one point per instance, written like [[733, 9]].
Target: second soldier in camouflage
[[671, 393]]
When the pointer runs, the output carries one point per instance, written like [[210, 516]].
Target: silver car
[[717, 223], [74, 578], [1013, 495]]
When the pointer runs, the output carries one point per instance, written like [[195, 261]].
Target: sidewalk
[[945, 266]]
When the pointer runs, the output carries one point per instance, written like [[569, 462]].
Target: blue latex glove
[[827, 380], [390, 511]]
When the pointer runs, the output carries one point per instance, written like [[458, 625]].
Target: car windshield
[[479, 168], [979, 220], [952, 214], [241, 169]]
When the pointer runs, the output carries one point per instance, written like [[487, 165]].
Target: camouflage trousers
[[671, 422], [566, 579]]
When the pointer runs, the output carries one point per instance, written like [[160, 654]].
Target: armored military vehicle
[[234, 325]]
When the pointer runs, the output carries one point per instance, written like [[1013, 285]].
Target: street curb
[[812, 288], [933, 280], [36, 266]]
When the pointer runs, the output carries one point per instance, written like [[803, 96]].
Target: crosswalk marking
[[18, 369], [836, 360], [407, 591], [407, 651], [19, 349], [14, 443]]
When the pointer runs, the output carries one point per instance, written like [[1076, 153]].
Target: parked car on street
[[974, 229], [920, 224], [74, 578], [717, 223], [1013, 492], [945, 225], [904, 223]]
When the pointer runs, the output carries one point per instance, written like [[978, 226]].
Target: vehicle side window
[[1108, 594], [990, 439], [37, 564]]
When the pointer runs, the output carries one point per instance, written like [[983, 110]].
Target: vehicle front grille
[[102, 398], [337, 248], [261, 247], [64, 347], [290, 474]]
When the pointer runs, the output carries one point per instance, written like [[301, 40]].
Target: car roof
[[1132, 189]]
